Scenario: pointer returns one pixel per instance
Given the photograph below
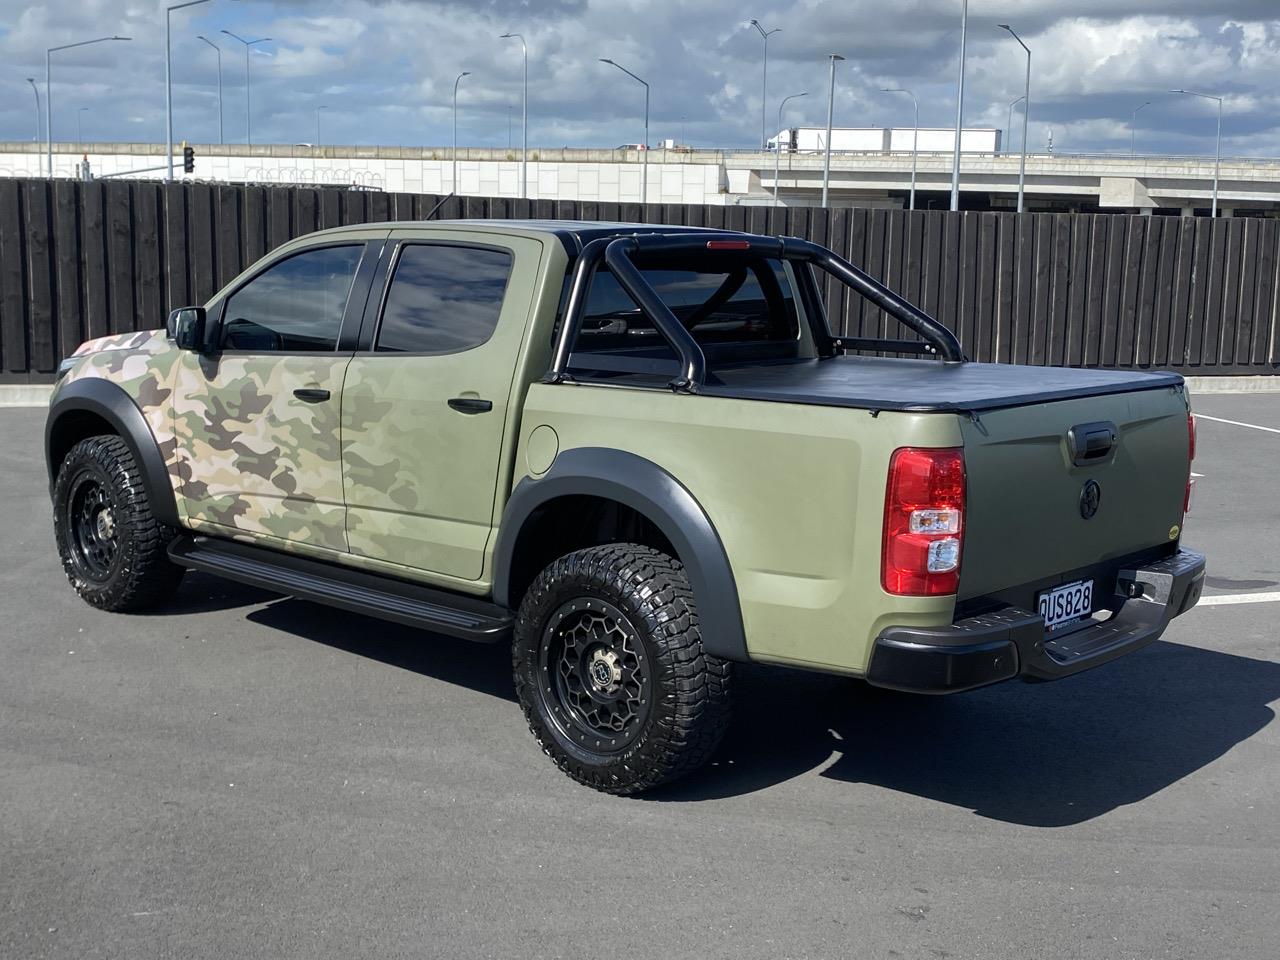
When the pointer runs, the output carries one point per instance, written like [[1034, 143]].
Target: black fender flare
[[650, 490], [110, 402]]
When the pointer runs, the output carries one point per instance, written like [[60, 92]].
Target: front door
[[425, 406], [258, 419]]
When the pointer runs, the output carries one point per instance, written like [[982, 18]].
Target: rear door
[[1038, 509], [426, 400]]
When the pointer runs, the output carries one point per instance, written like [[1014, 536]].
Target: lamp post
[[1217, 153], [644, 153], [168, 82], [778, 147], [915, 140], [1026, 109], [831, 101], [79, 132], [1133, 129], [48, 89], [318, 109], [524, 101], [764, 83], [1008, 123], [454, 176], [248, 115], [36, 91], [955, 160], [218, 50]]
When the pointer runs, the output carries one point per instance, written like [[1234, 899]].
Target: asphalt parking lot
[[240, 775]]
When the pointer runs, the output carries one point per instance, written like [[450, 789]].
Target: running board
[[440, 611]]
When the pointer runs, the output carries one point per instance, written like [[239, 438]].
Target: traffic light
[[188, 159]]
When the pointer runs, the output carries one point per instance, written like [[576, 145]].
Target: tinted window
[[296, 305], [745, 301], [443, 299]]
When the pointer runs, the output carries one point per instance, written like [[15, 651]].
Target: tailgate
[[1025, 520]]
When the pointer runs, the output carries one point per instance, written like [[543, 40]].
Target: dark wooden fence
[[82, 260]]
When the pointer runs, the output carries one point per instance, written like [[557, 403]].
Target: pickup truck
[[639, 455]]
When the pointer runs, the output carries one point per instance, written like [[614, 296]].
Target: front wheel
[[113, 548], [610, 670]]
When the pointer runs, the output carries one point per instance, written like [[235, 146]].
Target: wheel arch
[[641, 486], [83, 408]]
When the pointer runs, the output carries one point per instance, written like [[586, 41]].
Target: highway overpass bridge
[[1057, 182]]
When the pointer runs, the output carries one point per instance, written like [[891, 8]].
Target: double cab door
[[358, 400]]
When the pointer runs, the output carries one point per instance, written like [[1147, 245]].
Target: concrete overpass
[[1111, 183]]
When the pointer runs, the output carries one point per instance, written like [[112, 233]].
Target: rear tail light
[[923, 522], [1191, 456]]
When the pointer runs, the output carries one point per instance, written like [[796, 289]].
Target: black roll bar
[[693, 363], [617, 253], [910, 316]]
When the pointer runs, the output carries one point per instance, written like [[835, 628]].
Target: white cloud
[[385, 68]]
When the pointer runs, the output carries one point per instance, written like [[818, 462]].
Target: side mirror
[[186, 327]]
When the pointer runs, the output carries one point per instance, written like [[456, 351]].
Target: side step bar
[[440, 611]]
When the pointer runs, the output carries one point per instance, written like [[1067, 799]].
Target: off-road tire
[[119, 564], [682, 708]]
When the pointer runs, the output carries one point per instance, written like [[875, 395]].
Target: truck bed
[[923, 386]]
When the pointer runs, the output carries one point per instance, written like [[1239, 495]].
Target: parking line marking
[[1236, 423], [1239, 598]]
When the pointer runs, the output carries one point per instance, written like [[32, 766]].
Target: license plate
[[1066, 604]]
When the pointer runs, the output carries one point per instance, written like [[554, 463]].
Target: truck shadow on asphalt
[[1044, 755]]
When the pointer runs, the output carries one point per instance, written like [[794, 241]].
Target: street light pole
[[248, 114], [831, 101], [318, 109], [1008, 122], [36, 91], [764, 83], [1217, 153], [168, 83], [644, 153], [454, 176], [778, 146], [1133, 130], [915, 140], [48, 89], [1026, 109], [524, 100], [955, 160], [218, 50]]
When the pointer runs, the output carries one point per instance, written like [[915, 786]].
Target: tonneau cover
[[882, 383]]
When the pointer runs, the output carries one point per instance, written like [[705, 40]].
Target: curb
[[1258, 384], [25, 394], [37, 394]]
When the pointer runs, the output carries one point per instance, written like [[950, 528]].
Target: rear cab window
[[739, 309]]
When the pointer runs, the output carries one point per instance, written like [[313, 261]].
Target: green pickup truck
[[638, 455]]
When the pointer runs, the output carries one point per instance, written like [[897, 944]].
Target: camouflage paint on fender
[[142, 364]]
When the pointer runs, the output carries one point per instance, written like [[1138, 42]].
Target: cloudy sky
[[385, 70]]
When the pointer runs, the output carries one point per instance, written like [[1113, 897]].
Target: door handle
[[471, 405], [311, 394]]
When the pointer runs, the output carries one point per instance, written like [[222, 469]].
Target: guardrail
[[82, 260]]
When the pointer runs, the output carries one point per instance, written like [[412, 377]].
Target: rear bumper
[[1011, 642]]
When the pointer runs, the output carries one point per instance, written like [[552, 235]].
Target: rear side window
[[443, 299], [742, 301], [295, 305]]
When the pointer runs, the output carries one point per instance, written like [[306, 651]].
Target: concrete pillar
[[1226, 211], [1188, 211]]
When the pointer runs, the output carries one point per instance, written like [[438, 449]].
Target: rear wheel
[[610, 670], [113, 548]]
